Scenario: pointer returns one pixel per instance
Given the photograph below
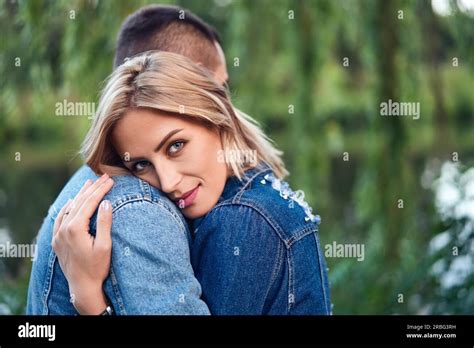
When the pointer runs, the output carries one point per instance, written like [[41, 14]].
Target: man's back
[[150, 271]]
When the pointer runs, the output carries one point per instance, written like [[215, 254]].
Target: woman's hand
[[85, 259]]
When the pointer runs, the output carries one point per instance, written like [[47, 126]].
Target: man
[[151, 271], [171, 29]]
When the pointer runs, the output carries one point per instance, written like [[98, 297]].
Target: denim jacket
[[151, 271], [258, 251]]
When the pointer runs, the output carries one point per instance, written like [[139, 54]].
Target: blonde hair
[[172, 83]]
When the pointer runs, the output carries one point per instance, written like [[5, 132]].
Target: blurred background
[[314, 73]]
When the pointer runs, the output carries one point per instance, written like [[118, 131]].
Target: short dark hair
[[167, 28]]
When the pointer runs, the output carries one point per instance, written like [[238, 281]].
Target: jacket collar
[[233, 185]]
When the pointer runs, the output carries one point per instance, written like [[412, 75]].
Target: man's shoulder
[[129, 196], [71, 189], [126, 188]]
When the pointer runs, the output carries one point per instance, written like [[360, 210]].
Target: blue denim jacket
[[258, 251], [150, 271]]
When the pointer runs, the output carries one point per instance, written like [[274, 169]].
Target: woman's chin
[[195, 211]]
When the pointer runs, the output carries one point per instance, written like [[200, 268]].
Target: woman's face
[[175, 155]]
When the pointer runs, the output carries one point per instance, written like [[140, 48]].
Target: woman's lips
[[188, 198]]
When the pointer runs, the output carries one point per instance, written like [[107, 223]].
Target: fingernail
[[68, 201], [105, 205], [104, 176], [87, 182]]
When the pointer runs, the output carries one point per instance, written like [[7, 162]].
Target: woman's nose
[[168, 177]]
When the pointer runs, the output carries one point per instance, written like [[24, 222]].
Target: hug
[[158, 221]]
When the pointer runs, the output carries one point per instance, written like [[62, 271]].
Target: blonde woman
[[255, 247]]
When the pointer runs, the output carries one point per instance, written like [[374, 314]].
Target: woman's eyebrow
[[160, 145], [169, 135]]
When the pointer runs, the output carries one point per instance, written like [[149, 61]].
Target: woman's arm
[[85, 259], [150, 262]]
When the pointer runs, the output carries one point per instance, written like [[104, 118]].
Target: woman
[[165, 120]]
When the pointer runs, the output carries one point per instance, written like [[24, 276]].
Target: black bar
[[137, 330]]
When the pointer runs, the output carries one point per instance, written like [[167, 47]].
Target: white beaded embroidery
[[298, 196]]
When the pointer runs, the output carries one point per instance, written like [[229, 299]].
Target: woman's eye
[[140, 166], [175, 147]]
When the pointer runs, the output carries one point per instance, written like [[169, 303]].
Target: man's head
[[171, 29]]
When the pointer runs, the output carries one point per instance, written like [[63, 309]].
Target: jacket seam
[[121, 203], [49, 280], [248, 183], [276, 271], [321, 272], [49, 273], [291, 293], [116, 290], [145, 187], [301, 233]]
